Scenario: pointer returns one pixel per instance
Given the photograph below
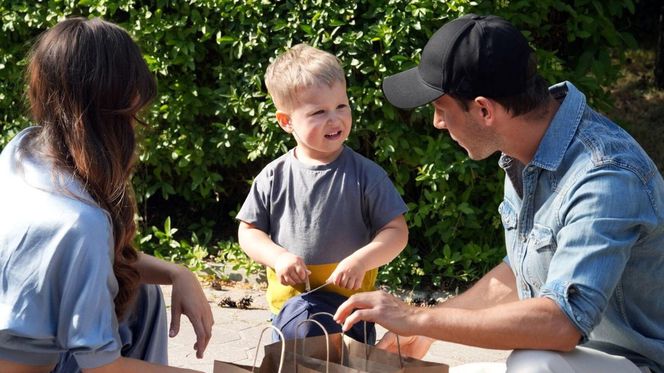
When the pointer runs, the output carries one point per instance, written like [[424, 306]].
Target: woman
[[72, 293]]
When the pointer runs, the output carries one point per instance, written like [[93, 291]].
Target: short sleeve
[[383, 203], [255, 209], [87, 324]]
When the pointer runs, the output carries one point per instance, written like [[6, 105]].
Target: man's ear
[[284, 121], [485, 109]]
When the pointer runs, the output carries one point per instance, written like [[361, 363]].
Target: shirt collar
[[558, 136], [562, 128], [38, 172]]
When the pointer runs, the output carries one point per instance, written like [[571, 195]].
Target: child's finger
[[358, 283], [332, 279], [286, 280], [301, 274]]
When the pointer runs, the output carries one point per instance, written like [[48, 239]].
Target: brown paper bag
[[308, 355], [346, 356], [367, 358], [224, 367], [279, 359], [333, 353], [267, 365]]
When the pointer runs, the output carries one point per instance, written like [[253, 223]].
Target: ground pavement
[[236, 331]]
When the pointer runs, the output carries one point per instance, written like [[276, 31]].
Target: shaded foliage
[[212, 129]]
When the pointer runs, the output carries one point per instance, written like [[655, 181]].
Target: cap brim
[[407, 90]]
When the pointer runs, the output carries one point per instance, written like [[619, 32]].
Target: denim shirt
[[584, 226]]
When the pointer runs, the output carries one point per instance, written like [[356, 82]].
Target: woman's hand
[[188, 298]]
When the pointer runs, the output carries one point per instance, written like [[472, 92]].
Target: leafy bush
[[212, 129], [580, 40]]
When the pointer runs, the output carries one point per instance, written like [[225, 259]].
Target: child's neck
[[316, 159]]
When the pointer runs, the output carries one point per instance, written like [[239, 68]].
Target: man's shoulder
[[607, 144]]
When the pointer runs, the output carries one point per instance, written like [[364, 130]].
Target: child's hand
[[291, 269], [348, 274]]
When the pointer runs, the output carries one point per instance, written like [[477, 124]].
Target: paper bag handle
[[332, 316], [327, 343], [366, 348], [283, 348]]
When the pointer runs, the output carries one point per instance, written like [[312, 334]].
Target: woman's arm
[[187, 297]]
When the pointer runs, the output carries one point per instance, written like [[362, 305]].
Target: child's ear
[[284, 121]]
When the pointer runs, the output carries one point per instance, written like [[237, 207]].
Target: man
[[582, 285]]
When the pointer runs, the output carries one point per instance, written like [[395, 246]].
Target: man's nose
[[438, 122]]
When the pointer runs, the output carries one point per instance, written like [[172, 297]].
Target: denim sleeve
[[602, 216]]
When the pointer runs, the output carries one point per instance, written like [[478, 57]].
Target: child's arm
[[386, 245], [290, 268]]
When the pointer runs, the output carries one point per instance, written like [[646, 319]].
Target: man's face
[[464, 128]]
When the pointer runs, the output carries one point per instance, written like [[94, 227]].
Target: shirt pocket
[[507, 215], [540, 249], [509, 219]]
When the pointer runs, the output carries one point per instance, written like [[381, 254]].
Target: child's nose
[[335, 118]]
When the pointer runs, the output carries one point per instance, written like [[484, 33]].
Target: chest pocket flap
[[507, 215], [541, 239], [541, 249]]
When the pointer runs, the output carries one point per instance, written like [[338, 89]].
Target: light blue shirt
[[56, 266], [584, 226]]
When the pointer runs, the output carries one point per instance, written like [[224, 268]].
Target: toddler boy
[[321, 213]]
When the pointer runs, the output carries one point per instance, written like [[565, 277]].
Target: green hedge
[[212, 127]]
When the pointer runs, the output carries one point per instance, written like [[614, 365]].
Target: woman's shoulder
[[37, 192]]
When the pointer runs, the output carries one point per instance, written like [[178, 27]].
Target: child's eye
[[319, 112], [342, 106]]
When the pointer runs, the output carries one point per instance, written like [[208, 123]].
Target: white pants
[[581, 360]]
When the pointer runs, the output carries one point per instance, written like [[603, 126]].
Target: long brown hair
[[87, 81]]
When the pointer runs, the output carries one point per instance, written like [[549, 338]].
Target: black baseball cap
[[470, 56]]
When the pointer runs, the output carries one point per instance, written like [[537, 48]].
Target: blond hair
[[302, 66]]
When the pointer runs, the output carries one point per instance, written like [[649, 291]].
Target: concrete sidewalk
[[236, 332]]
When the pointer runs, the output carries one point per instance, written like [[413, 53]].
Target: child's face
[[320, 121]]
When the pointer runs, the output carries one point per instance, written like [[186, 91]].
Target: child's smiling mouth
[[333, 135]]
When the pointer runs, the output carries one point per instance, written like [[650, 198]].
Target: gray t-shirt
[[322, 213], [56, 267]]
